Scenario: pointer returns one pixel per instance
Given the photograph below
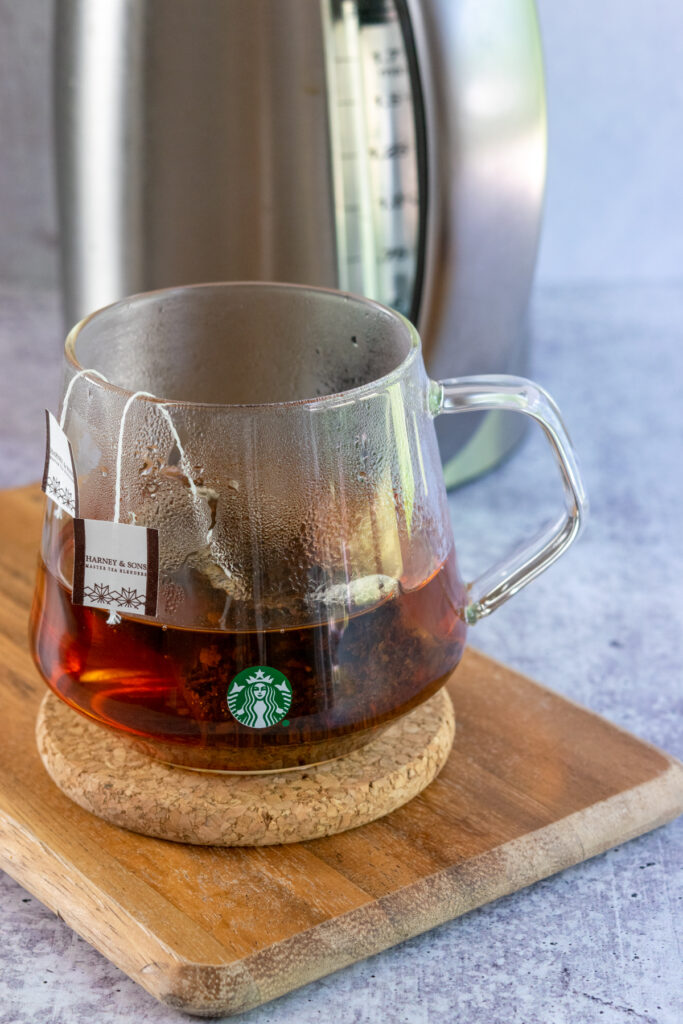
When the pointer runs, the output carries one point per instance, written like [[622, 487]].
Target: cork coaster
[[106, 775]]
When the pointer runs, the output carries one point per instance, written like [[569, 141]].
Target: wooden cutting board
[[534, 784]]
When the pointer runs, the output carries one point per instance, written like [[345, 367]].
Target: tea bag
[[366, 548], [364, 592]]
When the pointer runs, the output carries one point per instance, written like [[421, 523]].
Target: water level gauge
[[374, 114]]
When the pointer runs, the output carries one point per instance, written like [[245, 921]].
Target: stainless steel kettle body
[[390, 147]]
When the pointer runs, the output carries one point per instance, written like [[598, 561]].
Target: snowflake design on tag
[[63, 495], [130, 598], [100, 592], [127, 597]]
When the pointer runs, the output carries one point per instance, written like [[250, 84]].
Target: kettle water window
[[374, 113]]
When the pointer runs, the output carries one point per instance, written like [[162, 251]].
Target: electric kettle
[[392, 148]]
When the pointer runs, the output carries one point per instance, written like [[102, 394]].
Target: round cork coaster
[[106, 775]]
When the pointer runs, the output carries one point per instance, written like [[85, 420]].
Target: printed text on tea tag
[[59, 475], [116, 566]]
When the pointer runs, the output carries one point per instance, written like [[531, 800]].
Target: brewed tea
[[168, 687]]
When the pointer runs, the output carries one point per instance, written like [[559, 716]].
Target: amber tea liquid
[[167, 687]]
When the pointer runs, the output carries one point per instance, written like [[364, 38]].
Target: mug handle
[[517, 394]]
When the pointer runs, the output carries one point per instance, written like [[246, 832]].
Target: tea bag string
[[114, 618], [67, 393], [119, 453], [65, 405], [184, 462]]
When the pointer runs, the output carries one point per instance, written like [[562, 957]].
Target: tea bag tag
[[116, 566], [59, 475]]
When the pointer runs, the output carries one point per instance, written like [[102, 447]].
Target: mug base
[[241, 771], [256, 760]]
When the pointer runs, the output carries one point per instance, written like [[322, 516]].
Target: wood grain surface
[[533, 785]]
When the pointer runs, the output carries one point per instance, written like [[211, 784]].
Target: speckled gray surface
[[600, 942]]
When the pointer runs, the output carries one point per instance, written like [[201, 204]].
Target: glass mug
[[283, 446]]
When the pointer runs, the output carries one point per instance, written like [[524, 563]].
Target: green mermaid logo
[[259, 697]]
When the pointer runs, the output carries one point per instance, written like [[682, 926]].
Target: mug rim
[[334, 399]]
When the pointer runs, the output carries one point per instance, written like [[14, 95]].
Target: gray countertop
[[601, 941]]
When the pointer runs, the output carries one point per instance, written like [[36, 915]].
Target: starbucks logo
[[259, 696]]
